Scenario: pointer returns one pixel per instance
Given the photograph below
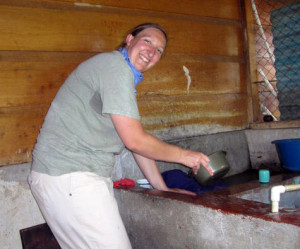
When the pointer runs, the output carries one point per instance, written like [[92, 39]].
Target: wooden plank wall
[[42, 41]]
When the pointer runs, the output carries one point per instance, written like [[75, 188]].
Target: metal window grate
[[277, 43]]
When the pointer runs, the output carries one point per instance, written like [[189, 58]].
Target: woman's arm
[[138, 141], [150, 171], [153, 175]]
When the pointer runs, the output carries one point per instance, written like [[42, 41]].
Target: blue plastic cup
[[264, 176]]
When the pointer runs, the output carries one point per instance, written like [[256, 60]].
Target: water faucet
[[277, 190]]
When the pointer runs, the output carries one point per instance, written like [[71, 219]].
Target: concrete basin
[[288, 200], [220, 219]]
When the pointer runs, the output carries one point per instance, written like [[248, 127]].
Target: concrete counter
[[219, 219]]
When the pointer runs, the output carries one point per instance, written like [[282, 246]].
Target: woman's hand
[[194, 160]]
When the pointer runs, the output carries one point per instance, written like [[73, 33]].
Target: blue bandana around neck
[[138, 76]]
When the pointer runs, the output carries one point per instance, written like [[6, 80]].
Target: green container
[[219, 165]]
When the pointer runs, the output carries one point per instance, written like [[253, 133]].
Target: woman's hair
[[136, 30]]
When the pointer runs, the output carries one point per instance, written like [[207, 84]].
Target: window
[[277, 50]]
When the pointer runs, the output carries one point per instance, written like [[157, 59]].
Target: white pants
[[80, 209]]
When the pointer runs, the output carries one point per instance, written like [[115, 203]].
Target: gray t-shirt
[[78, 134]]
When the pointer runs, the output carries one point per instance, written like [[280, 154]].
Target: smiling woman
[[92, 117], [146, 48]]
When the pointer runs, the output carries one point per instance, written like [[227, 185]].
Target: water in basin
[[287, 200]]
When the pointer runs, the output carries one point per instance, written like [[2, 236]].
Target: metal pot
[[219, 165]]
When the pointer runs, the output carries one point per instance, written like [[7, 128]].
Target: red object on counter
[[124, 183]]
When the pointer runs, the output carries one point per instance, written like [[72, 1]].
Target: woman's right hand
[[195, 160]]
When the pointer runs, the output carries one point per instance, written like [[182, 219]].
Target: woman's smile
[[146, 48]]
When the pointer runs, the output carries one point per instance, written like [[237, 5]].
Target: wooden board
[[33, 78], [35, 29], [207, 76], [19, 127], [30, 78], [225, 9], [224, 109]]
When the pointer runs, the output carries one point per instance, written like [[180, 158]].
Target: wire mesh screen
[[277, 42]]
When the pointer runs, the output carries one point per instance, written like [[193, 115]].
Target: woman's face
[[146, 48]]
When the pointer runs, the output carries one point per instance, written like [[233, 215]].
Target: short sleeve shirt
[[78, 133]]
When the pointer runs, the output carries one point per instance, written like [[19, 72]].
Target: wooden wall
[[42, 41]]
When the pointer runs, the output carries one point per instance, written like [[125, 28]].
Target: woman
[[93, 116]]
